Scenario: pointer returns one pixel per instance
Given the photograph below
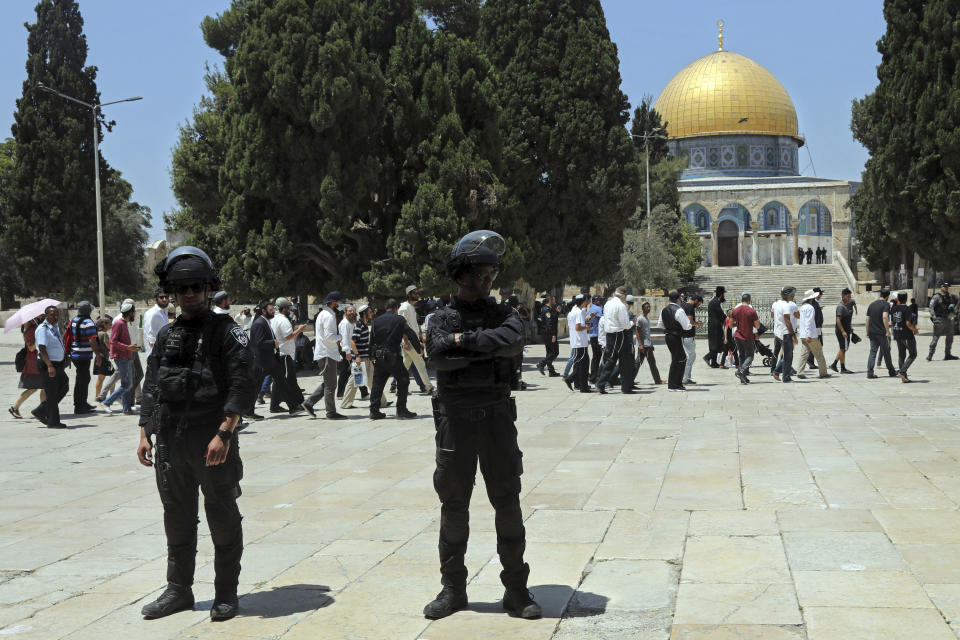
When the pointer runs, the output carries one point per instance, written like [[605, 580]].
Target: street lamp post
[[96, 177], [646, 149]]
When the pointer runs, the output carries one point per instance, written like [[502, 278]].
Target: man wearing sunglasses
[[197, 385], [472, 343]]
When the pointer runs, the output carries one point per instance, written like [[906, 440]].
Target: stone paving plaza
[[822, 510]]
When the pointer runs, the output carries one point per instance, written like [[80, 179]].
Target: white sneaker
[[106, 408]]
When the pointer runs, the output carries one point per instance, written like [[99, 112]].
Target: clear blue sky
[[823, 52]]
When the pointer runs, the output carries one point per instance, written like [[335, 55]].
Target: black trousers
[[553, 350], [879, 349], [343, 374], [177, 482], [464, 437], [81, 383], [777, 345], [619, 350], [648, 355], [678, 361], [286, 386], [906, 351], [715, 342], [581, 367], [56, 388], [596, 353], [389, 365]]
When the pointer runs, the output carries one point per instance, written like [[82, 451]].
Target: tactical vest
[[941, 305], [186, 384], [493, 374]]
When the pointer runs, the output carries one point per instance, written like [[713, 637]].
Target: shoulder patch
[[240, 336], [547, 314]]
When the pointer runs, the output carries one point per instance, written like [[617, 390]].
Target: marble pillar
[[713, 244], [785, 257], [756, 253]]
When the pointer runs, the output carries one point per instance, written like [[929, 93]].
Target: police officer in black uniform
[[197, 384], [386, 336], [548, 327], [943, 308], [471, 344]]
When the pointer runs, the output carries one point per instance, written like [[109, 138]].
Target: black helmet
[[187, 263], [477, 247]]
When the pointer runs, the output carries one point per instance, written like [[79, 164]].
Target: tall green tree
[[50, 203], [10, 281], [568, 160], [910, 197], [446, 97], [306, 184], [377, 145]]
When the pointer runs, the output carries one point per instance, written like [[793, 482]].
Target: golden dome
[[723, 93]]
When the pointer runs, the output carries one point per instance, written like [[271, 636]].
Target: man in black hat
[[943, 309], [716, 322]]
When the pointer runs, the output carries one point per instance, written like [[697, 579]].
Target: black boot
[[174, 598], [834, 366], [449, 599], [224, 608], [520, 603]]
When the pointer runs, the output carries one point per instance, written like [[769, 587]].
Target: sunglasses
[[186, 288], [484, 275]]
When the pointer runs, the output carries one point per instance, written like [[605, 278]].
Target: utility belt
[[383, 354], [505, 407]]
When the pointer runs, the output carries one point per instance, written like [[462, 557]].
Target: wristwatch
[[225, 435]]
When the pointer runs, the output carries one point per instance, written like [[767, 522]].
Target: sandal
[[14, 413]]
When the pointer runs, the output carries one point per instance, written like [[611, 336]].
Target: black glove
[[442, 341]]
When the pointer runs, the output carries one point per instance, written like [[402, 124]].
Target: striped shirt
[[83, 329], [361, 337]]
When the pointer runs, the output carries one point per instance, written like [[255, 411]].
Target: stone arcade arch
[[728, 241]]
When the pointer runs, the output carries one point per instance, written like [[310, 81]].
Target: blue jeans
[[125, 367], [785, 366], [265, 387]]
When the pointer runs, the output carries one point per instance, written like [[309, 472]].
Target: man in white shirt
[[154, 319], [327, 355], [675, 321], [221, 303], [808, 333], [349, 349], [785, 315], [244, 319], [286, 388], [410, 355], [579, 342], [619, 348]]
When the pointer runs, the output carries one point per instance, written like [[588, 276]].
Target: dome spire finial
[[720, 24]]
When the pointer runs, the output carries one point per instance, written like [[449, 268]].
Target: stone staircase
[[764, 282]]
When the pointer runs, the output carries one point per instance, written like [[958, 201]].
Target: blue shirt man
[[48, 336], [597, 311]]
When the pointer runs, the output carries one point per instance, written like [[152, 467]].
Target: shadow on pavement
[[556, 600], [283, 601]]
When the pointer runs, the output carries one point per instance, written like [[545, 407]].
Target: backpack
[[68, 338]]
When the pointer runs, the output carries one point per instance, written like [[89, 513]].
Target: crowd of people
[[609, 343]]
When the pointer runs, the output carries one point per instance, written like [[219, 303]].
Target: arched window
[[815, 219], [697, 217]]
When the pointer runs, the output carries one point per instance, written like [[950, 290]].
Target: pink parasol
[[27, 313]]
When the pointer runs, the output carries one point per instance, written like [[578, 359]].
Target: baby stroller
[[763, 349]]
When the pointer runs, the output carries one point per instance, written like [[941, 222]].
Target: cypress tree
[[50, 212], [910, 197], [568, 161]]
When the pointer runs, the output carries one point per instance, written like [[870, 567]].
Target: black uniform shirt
[[388, 331], [548, 321], [228, 357]]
